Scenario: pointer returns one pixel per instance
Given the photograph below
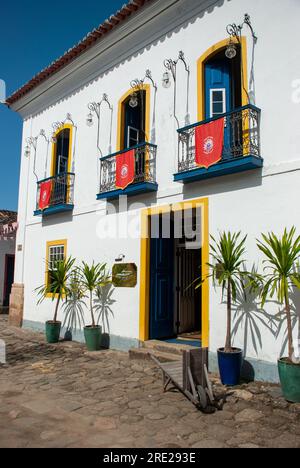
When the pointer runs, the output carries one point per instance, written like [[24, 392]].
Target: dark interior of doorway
[[8, 278], [175, 303]]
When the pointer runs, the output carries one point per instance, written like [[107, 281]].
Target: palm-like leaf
[[92, 277], [227, 271], [281, 271], [60, 273]]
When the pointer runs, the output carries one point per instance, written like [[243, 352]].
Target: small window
[[133, 136], [133, 120], [56, 251], [217, 102]]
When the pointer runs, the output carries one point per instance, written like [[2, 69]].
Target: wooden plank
[[198, 358], [171, 366]]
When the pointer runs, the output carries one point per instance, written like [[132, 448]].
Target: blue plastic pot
[[230, 366]]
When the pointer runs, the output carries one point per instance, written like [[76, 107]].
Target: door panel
[[188, 304], [162, 289], [218, 96]]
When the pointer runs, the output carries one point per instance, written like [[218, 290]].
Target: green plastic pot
[[289, 374], [53, 331], [92, 337]]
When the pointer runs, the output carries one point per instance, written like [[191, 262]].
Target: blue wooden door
[[218, 94], [162, 289]]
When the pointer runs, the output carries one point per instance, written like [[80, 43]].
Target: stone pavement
[[62, 396]]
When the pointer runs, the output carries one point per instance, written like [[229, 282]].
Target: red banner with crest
[[209, 139], [125, 169], [45, 194]]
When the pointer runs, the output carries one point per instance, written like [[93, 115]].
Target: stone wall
[[16, 305]]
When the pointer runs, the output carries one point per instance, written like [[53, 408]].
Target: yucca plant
[[281, 272], [59, 273], [92, 277], [227, 271]]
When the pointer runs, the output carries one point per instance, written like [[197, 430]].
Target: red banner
[[209, 143], [45, 194], [125, 169]]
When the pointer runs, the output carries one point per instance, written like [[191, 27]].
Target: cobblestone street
[[62, 396]]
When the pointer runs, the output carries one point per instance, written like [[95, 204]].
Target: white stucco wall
[[251, 202]]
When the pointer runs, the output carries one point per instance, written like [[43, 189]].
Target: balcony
[[61, 194], [144, 173], [241, 151]]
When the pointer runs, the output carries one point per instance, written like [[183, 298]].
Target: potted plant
[[227, 271], [92, 277], [281, 276], [57, 285]]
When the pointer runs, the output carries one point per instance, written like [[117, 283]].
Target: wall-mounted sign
[[124, 275]]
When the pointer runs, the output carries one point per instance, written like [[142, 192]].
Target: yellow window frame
[[49, 244]]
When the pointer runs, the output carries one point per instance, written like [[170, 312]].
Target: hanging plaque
[[124, 275]]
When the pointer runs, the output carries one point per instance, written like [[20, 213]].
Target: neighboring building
[[68, 201], [8, 227]]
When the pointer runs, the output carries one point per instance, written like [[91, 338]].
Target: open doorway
[[8, 278], [175, 265], [134, 120]]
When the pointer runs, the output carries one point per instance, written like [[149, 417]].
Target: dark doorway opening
[[175, 303], [134, 112], [8, 278]]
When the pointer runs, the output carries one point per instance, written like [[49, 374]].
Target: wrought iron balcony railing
[[62, 191], [242, 127], [145, 168]]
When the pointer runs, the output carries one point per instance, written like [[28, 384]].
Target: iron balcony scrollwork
[[243, 127], [145, 167], [62, 190]]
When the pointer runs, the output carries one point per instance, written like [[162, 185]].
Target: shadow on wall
[[103, 310], [224, 184], [254, 320], [57, 218], [75, 306], [249, 315]]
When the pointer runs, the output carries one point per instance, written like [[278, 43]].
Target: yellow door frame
[[54, 155], [121, 115], [210, 52], [145, 263], [54, 146]]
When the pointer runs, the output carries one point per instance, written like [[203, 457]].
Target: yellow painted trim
[[53, 159], [121, 116], [49, 244], [201, 77], [145, 264]]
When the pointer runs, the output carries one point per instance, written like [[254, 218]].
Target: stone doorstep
[[164, 352], [164, 347], [145, 354]]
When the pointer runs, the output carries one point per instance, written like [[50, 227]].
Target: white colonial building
[[145, 81]]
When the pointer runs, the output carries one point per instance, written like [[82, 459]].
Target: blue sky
[[32, 35]]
